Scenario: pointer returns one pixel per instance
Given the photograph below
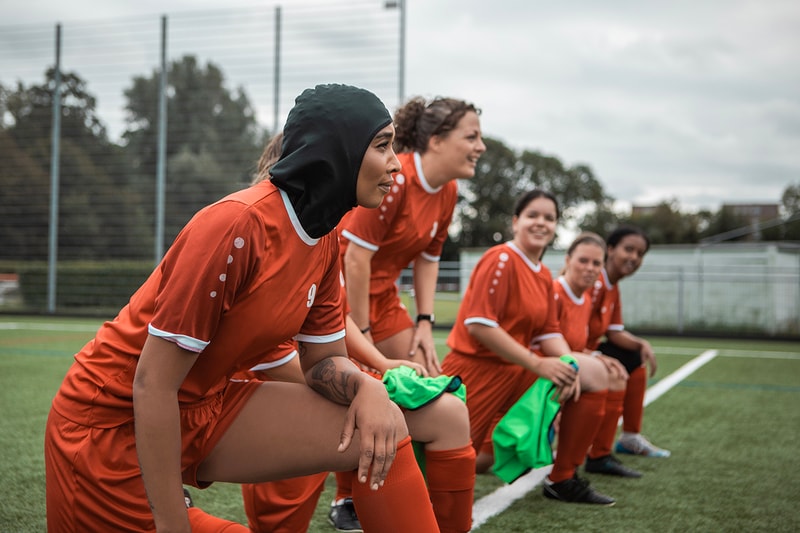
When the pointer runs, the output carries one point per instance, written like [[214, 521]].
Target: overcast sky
[[694, 100]]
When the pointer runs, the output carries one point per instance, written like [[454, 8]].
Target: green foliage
[[213, 140], [93, 191], [725, 220], [486, 203], [665, 224], [601, 220], [790, 201], [106, 191], [484, 208]]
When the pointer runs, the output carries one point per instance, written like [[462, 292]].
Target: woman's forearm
[[503, 345], [162, 367], [426, 274], [158, 445], [358, 269]]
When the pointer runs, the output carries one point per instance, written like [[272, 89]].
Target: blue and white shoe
[[637, 444]]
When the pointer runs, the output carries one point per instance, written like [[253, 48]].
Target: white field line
[[761, 355], [48, 327], [498, 501], [655, 392], [729, 352]]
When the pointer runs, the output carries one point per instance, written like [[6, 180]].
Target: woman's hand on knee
[[380, 426]]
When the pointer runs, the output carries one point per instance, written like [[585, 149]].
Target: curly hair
[[418, 120]]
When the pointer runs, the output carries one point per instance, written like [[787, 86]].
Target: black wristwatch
[[429, 318]]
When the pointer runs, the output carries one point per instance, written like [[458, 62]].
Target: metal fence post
[[52, 255], [161, 160]]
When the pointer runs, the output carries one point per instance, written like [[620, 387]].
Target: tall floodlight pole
[[52, 255], [401, 66], [277, 72]]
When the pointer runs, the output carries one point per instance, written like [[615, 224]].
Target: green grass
[[732, 426]]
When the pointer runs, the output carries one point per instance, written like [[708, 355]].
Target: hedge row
[[80, 284]]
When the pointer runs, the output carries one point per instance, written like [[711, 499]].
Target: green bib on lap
[[523, 438], [411, 391]]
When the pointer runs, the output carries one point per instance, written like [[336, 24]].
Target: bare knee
[[441, 425], [398, 345], [616, 383], [593, 374]]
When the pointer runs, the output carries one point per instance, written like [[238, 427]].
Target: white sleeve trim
[[429, 257], [320, 339], [359, 241], [616, 327], [546, 336], [274, 364], [481, 320], [184, 341]]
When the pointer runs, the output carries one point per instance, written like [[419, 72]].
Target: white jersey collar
[[421, 174], [305, 237], [577, 300], [536, 267]]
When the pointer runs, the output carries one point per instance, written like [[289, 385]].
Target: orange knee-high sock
[[203, 522], [633, 411], [344, 484], [604, 438], [451, 484], [283, 506], [579, 424], [402, 504]]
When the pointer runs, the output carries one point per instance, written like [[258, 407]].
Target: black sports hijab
[[325, 137]]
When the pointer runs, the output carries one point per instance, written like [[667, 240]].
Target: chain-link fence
[[723, 289], [103, 160]]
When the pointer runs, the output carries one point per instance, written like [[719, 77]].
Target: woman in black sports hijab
[[149, 405], [322, 152]]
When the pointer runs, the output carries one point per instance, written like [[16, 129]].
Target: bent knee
[[454, 413], [593, 374]]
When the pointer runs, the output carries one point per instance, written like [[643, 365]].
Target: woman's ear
[[435, 143]]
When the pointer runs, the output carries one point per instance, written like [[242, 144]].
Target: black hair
[[528, 197], [621, 232]]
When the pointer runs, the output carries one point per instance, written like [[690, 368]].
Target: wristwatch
[[429, 318]]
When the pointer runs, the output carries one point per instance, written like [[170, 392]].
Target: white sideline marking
[[501, 499], [47, 327], [498, 501]]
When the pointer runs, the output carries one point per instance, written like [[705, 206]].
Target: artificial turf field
[[733, 426]]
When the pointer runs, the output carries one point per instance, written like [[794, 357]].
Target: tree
[[602, 219], [790, 201], [205, 122], [666, 224], [485, 206], [722, 222], [93, 196], [483, 212]]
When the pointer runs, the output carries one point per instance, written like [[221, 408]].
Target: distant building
[[754, 215], [643, 210], [754, 212]]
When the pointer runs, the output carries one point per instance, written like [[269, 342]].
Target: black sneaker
[[187, 498], [608, 464], [575, 490], [343, 516]]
